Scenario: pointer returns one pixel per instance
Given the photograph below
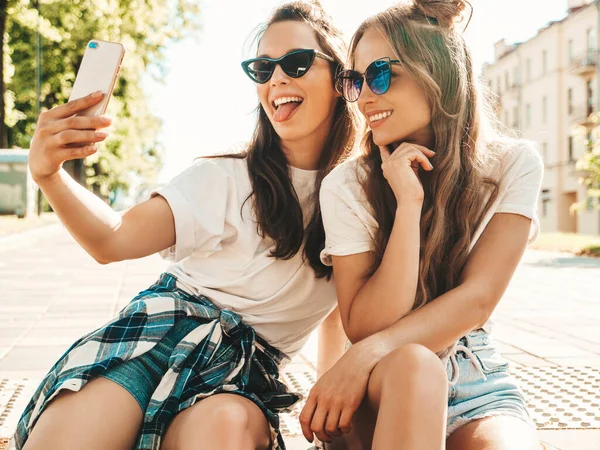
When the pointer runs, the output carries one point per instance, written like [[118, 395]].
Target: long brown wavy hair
[[276, 205], [457, 192]]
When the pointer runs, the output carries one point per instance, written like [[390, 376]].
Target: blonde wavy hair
[[426, 39]]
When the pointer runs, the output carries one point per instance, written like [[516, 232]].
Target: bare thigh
[[406, 379], [494, 433], [101, 415], [222, 421]]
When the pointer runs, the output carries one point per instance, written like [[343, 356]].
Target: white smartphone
[[98, 72]]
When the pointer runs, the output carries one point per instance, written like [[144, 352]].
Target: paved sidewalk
[[548, 325]]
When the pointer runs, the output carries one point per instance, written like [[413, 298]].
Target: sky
[[206, 111]]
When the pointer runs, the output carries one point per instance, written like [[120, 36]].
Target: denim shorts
[[481, 385]]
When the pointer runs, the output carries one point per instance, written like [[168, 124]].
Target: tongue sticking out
[[284, 111]]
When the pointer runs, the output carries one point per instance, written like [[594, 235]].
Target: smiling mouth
[[285, 107], [284, 100], [379, 116]]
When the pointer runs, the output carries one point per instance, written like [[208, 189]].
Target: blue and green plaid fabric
[[222, 354]]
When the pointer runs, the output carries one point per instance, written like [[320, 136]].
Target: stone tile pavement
[[548, 326]]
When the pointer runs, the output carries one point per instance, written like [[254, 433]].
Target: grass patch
[[578, 244], [12, 224], [593, 250]]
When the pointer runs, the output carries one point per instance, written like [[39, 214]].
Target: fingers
[[345, 423], [408, 145], [74, 137], [385, 152], [78, 152], [318, 424], [71, 108], [421, 159], [306, 417], [332, 423], [79, 123], [412, 157], [415, 155]]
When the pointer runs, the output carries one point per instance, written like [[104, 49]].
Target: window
[[590, 97], [545, 199], [571, 51], [506, 118], [528, 115], [506, 81], [515, 117], [499, 86], [528, 69], [591, 39], [545, 110], [545, 152], [544, 62], [570, 148], [570, 101]]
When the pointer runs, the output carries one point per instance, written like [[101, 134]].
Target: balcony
[[583, 115], [514, 88], [585, 64]]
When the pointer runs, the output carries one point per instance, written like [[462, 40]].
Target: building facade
[[546, 90]]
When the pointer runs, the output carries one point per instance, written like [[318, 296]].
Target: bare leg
[[494, 433], [406, 404], [102, 415], [223, 421], [409, 390]]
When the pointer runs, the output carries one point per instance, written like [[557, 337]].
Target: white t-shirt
[[219, 254], [350, 226]]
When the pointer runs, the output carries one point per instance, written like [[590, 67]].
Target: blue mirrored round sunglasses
[[378, 76], [295, 64]]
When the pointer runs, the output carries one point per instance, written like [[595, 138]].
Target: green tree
[[589, 168], [145, 27]]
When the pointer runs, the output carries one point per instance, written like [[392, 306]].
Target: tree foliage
[[145, 27]]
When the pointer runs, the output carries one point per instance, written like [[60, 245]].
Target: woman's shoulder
[[221, 174], [514, 156], [349, 172]]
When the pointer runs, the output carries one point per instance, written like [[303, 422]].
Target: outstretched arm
[[105, 234]]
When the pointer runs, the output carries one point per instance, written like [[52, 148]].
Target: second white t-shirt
[[350, 225]]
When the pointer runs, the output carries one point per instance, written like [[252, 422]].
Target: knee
[[227, 420], [225, 417], [411, 365]]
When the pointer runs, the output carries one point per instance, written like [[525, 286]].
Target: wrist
[[370, 351], [407, 207], [44, 180]]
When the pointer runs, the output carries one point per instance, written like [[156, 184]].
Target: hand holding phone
[[70, 131]]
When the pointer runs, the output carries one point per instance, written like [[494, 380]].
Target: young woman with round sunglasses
[[245, 288], [424, 232]]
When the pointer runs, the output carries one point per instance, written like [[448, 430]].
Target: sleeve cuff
[[184, 224], [534, 232], [344, 250]]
